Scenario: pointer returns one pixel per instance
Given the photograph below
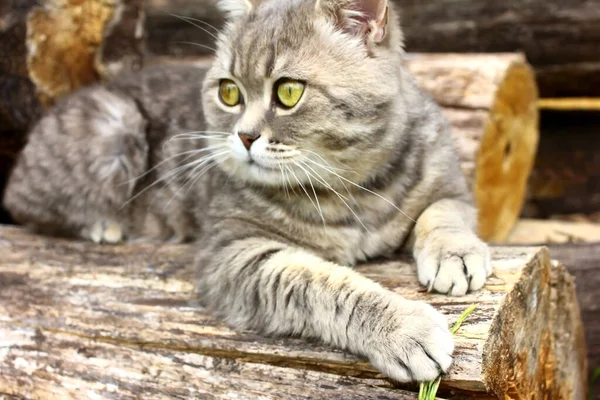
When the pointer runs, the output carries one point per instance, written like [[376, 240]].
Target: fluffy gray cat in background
[[303, 150]]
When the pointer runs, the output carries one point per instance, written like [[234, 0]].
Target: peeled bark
[[78, 318]]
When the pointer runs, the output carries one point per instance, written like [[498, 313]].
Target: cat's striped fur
[[362, 167]]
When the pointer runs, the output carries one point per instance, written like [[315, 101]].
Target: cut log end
[[507, 153], [534, 362]]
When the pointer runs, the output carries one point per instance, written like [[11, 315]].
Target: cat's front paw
[[415, 346], [453, 262], [106, 232]]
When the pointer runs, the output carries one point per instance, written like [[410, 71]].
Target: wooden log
[[583, 262], [79, 319], [541, 232], [566, 175], [60, 46], [560, 38], [490, 100]]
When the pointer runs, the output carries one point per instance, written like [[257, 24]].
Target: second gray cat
[[302, 151]]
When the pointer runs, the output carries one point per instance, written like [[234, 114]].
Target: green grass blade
[[428, 390]]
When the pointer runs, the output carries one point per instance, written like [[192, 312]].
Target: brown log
[[78, 319], [559, 38], [60, 46]]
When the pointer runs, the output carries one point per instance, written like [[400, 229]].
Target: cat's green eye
[[290, 92], [229, 93]]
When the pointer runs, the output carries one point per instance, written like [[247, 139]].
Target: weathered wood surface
[[535, 232], [491, 103], [561, 39], [84, 321]]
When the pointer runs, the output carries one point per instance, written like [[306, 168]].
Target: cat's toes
[[108, 232], [419, 350], [454, 263]]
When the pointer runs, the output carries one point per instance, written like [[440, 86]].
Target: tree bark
[[77, 318], [582, 261]]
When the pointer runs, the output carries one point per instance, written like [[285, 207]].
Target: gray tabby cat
[[317, 152]]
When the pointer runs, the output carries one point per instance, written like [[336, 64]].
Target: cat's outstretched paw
[[453, 263], [107, 232], [418, 348]]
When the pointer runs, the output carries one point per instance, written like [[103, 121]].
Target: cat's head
[[302, 90]]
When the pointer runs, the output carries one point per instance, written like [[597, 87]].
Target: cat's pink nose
[[248, 139]]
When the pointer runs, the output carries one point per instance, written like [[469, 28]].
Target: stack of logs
[[491, 101]]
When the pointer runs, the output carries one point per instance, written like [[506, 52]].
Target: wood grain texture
[[535, 232], [79, 320]]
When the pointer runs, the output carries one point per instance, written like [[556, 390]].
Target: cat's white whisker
[[345, 203], [322, 180], [190, 182], [303, 188], [315, 193], [201, 132], [167, 177], [204, 23], [204, 160], [283, 180], [327, 170], [198, 45], [191, 22], [366, 190], [189, 154], [327, 162]]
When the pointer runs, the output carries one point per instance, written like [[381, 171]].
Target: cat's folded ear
[[366, 18], [237, 8]]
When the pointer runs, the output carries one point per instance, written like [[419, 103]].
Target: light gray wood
[[77, 319]]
